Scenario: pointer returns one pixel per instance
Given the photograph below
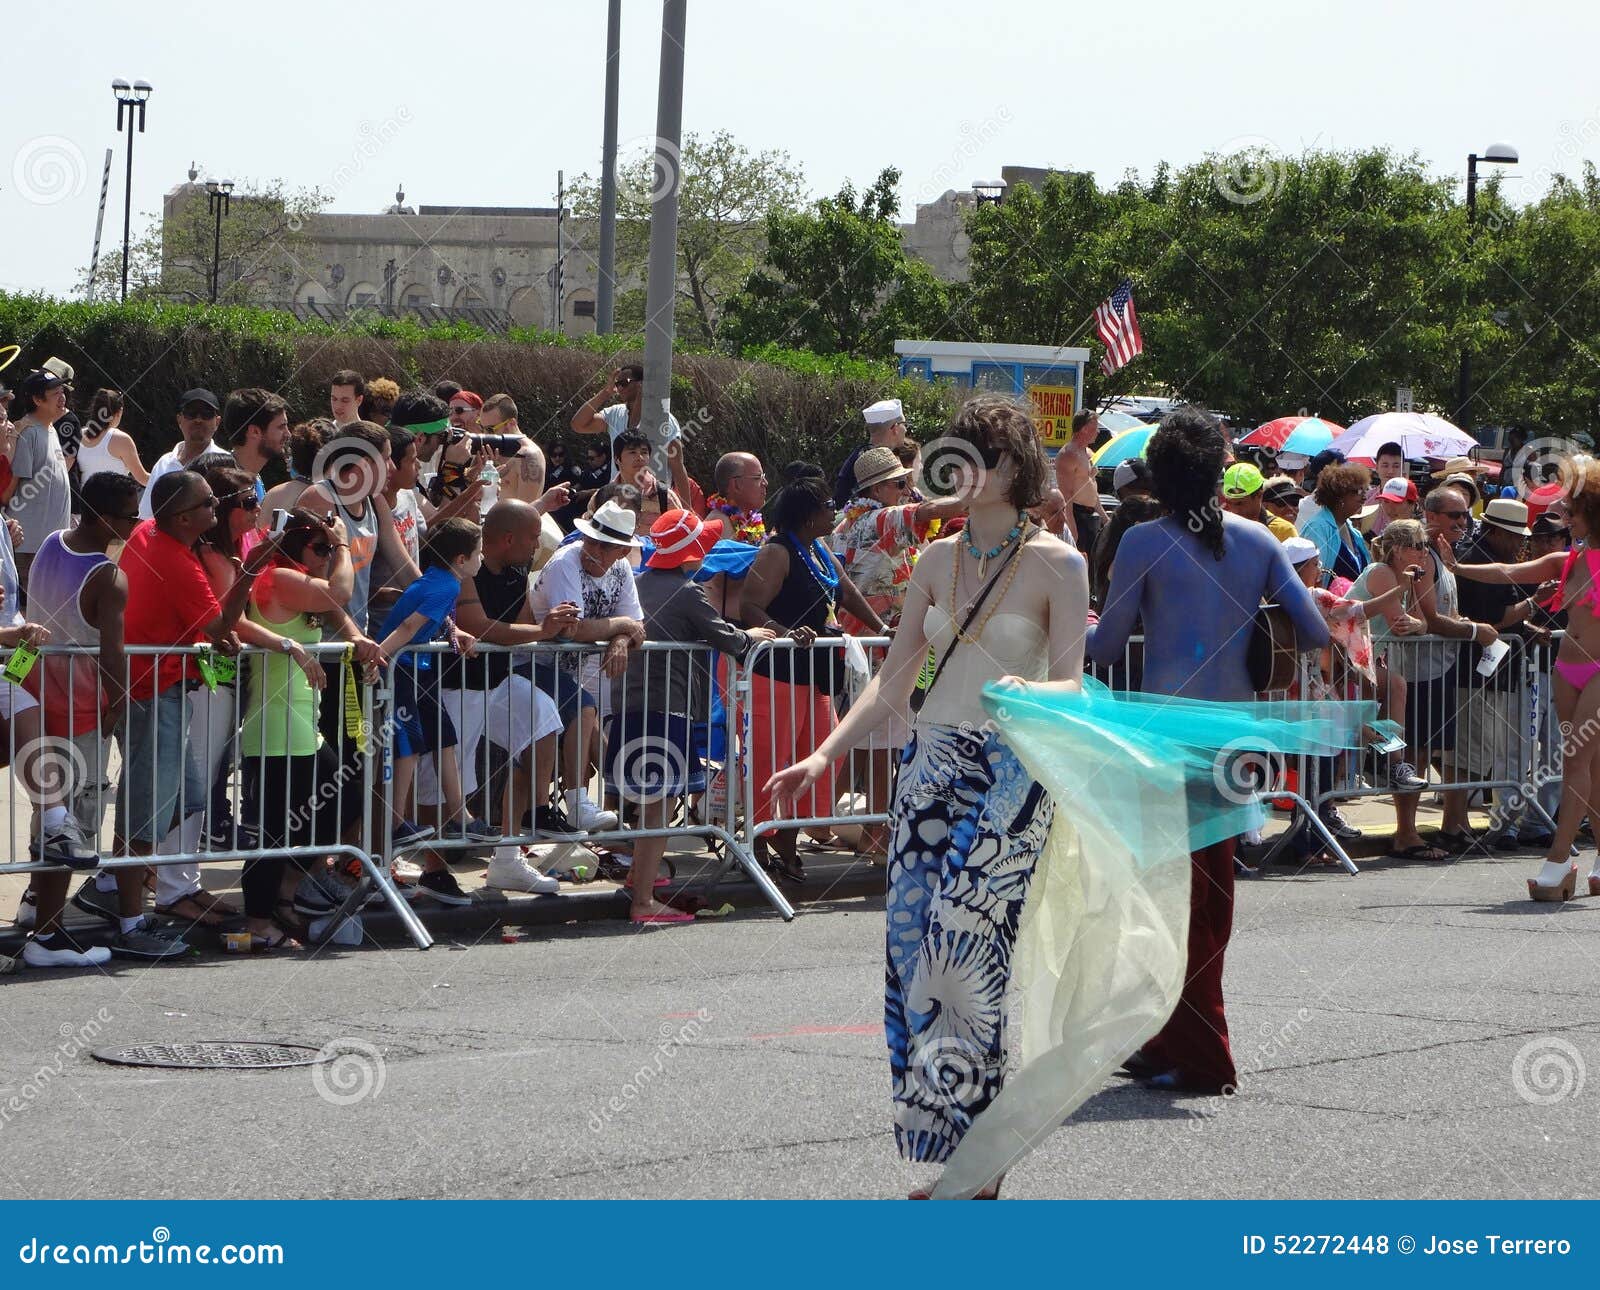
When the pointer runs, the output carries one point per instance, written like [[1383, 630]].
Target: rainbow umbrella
[[1305, 435], [1130, 443]]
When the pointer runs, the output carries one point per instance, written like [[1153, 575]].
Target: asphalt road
[[1414, 1032]]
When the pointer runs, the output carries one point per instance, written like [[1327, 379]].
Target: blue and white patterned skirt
[[968, 826]]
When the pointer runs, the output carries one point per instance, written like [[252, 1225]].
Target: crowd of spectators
[[405, 520]]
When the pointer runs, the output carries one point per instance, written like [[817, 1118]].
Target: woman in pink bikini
[[1577, 668]]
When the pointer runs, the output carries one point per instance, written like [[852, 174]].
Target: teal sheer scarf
[[1139, 781]]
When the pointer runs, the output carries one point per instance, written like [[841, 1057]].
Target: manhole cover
[[226, 1054]]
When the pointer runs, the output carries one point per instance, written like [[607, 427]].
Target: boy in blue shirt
[[422, 725]]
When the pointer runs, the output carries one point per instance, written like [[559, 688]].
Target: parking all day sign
[[1053, 409]]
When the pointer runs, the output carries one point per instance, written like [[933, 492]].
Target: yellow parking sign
[[1053, 409]]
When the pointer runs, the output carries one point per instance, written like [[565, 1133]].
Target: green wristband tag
[[21, 662]]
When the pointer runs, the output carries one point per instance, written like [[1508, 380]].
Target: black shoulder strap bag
[[919, 696]]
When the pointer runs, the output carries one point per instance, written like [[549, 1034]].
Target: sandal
[[216, 914], [1459, 843], [276, 939], [1422, 851]]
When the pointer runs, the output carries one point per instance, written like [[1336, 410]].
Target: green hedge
[[783, 405]]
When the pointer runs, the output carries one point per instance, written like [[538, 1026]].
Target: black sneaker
[[441, 884], [102, 904], [145, 942], [550, 821]]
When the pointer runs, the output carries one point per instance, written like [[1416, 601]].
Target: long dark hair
[[231, 485], [1185, 458], [1136, 510]]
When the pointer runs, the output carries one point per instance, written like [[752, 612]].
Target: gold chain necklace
[[972, 638]]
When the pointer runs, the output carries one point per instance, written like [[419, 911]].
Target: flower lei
[[743, 526]]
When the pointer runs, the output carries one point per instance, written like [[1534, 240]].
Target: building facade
[[496, 265]]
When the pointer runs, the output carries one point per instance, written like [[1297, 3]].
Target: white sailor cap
[[883, 412]]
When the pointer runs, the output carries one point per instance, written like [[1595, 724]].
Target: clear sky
[[480, 102]]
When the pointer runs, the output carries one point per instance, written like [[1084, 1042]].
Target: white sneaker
[[517, 873], [27, 911], [586, 815], [64, 953]]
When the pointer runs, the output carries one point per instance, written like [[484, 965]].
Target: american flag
[[1118, 327]]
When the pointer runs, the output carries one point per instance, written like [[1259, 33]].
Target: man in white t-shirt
[[596, 574], [199, 415], [625, 397]]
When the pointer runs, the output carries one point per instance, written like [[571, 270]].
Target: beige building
[[495, 265]]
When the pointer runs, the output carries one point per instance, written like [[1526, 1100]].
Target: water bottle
[[489, 477]]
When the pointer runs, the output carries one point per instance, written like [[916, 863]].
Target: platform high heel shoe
[[1561, 891]]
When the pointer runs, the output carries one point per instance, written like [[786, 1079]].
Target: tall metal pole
[[1463, 416], [605, 305], [216, 248], [661, 287], [127, 211]]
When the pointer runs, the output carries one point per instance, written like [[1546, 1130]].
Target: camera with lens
[[507, 445]]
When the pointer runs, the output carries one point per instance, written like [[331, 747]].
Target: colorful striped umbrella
[[1305, 435], [1130, 443]]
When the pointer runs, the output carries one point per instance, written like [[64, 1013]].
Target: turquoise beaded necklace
[[983, 557]]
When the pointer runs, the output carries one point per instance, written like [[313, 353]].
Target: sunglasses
[[210, 504], [459, 407], [986, 452], [201, 413], [244, 501], [1455, 515]]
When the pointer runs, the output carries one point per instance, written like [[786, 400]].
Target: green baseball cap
[[1241, 480]]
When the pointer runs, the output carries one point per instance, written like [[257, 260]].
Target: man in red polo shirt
[[170, 602]]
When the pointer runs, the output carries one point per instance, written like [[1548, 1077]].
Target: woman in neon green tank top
[[286, 769]]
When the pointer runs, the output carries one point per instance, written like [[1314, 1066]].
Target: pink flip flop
[[661, 918]]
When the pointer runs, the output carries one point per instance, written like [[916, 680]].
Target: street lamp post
[[605, 307], [218, 194], [1499, 154], [130, 103]]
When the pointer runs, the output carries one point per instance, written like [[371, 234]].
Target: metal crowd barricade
[[54, 763], [1464, 732], [651, 728], [782, 721]]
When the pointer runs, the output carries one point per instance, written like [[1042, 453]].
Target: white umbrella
[[1419, 434]]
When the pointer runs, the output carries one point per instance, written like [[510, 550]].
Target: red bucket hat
[[682, 535]]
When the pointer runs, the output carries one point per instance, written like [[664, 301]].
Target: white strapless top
[[1011, 645]]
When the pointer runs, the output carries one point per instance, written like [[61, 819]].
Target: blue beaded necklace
[[983, 557], [820, 567]]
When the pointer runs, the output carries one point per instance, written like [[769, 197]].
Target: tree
[[725, 193], [836, 279], [263, 235], [1263, 283]]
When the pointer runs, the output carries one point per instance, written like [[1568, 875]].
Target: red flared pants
[[1195, 1038]]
